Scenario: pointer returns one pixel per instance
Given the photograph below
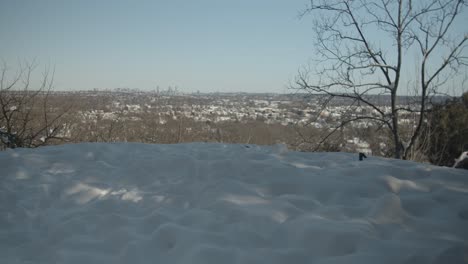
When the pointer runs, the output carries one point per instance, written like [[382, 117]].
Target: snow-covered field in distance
[[217, 203]]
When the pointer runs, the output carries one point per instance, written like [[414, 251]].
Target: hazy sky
[[206, 45]]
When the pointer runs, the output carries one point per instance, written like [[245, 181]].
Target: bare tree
[[27, 118], [364, 47]]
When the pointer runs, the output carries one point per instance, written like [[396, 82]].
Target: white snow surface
[[217, 203]]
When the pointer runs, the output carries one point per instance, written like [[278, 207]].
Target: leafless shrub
[[27, 116]]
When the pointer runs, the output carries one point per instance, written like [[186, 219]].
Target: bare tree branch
[[354, 65]]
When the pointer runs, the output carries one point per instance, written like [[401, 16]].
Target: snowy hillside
[[215, 203]]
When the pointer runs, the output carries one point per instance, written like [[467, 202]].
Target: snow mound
[[216, 203]]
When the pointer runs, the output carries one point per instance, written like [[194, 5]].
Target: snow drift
[[215, 203]]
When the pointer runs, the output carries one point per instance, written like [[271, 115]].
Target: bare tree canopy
[[363, 47], [27, 118]]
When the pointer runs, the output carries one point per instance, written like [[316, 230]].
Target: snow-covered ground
[[216, 203]]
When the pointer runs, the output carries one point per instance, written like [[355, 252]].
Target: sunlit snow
[[218, 203]]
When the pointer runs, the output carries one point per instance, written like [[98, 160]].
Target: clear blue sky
[[206, 45]]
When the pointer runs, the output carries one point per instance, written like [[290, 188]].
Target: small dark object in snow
[[247, 146], [362, 155]]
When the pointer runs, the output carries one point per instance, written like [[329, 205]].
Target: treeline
[[447, 131], [32, 119]]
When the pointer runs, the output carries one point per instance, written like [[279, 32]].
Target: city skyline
[[207, 46]]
